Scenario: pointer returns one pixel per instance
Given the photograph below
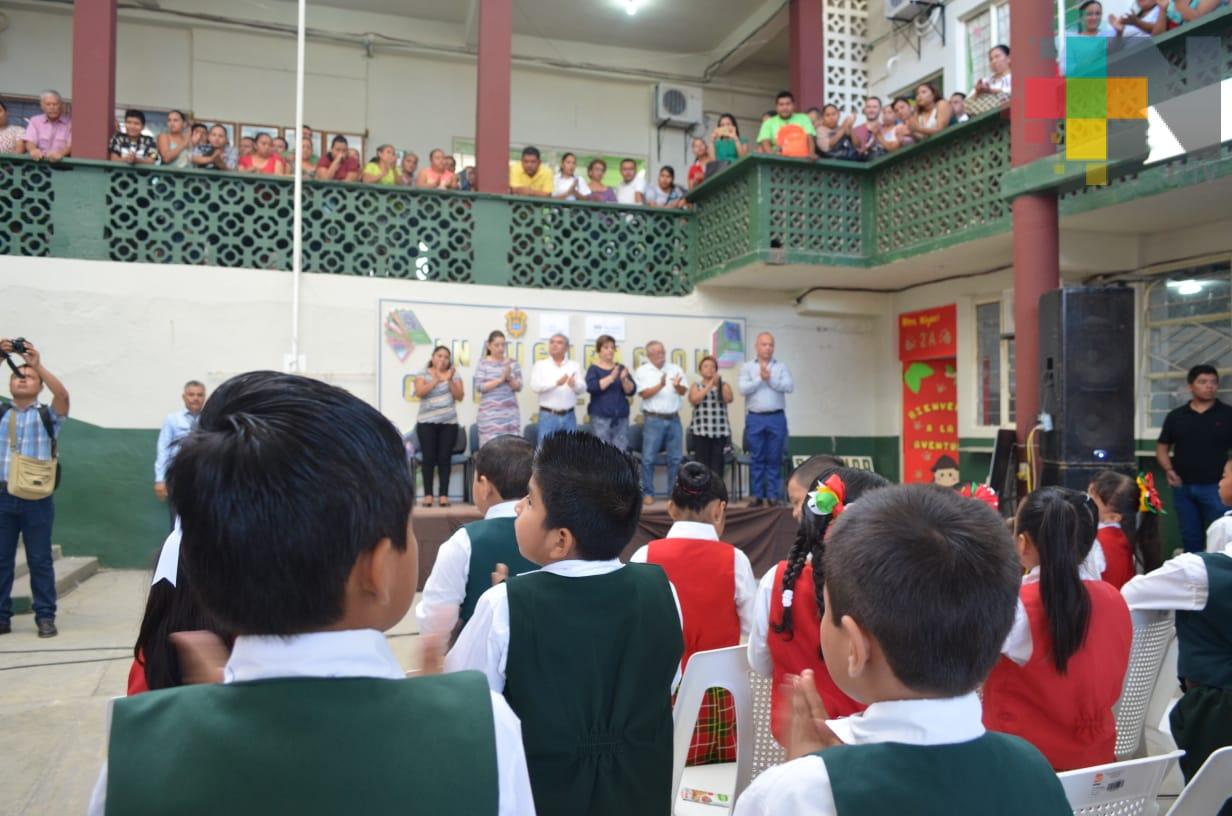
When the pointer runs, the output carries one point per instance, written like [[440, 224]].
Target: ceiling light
[[630, 7], [1186, 287]]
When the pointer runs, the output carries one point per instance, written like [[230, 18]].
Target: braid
[[810, 537]]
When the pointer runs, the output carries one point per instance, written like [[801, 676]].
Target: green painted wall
[[883, 449]]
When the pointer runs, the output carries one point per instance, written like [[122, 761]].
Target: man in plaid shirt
[[30, 519]]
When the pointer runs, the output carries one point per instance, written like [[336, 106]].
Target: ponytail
[[848, 484], [1124, 496], [1061, 523]]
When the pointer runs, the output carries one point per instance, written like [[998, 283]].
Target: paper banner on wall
[[929, 334], [402, 331], [553, 323], [727, 344], [930, 422], [600, 324]]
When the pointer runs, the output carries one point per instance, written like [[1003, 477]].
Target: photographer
[[32, 428]]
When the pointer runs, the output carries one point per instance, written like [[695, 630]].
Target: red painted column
[[1037, 267], [93, 93], [807, 53], [492, 98]]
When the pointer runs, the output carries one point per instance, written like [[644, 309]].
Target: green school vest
[[995, 773], [1204, 649], [589, 672], [493, 542], [306, 746]]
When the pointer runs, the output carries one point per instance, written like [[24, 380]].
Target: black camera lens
[[19, 345]]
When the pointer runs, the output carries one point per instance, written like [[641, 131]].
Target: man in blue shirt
[[31, 519], [175, 427], [765, 382]]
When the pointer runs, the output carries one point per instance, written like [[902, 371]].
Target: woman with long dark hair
[[439, 390]]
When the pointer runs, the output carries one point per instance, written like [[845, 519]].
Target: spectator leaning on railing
[[958, 108], [130, 145], [49, 135], [407, 169], [529, 177], [932, 114], [264, 160], [629, 191], [215, 153], [665, 193], [567, 185], [175, 145], [383, 169], [1142, 18], [787, 133], [436, 175], [339, 164], [834, 136], [11, 140], [864, 135]]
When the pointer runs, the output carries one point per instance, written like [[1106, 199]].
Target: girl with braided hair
[[786, 636], [1128, 525], [1063, 664]]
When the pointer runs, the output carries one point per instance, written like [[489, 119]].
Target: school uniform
[[463, 569], [1068, 717], [322, 723], [582, 654], [716, 587], [918, 757], [1118, 553], [1219, 534], [1199, 587], [777, 654]]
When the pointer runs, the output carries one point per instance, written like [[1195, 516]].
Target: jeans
[[1197, 507], [550, 423], [659, 434], [612, 430], [766, 435], [32, 521]]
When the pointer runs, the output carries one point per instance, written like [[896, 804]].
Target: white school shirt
[[359, 653], [759, 637], [483, 644], [445, 589], [746, 584], [1018, 646], [667, 401], [1181, 584], [1219, 534], [802, 787], [543, 378]]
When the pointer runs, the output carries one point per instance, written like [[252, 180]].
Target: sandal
[[444, 501], [426, 501]]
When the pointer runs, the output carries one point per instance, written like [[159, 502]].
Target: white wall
[[907, 68]]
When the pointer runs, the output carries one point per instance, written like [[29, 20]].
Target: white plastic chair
[[718, 668], [766, 750], [1119, 788], [1209, 789], [1153, 632]]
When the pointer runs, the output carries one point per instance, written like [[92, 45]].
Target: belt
[[766, 413], [554, 411], [660, 416]]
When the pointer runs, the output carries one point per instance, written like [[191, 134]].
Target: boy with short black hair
[[294, 499], [466, 561], [920, 591], [581, 648]]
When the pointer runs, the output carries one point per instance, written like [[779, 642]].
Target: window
[[994, 368], [1188, 320], [989, 27]]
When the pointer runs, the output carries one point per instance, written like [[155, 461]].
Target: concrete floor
[[52, 716]]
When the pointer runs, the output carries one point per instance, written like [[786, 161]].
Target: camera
[[19, 345]]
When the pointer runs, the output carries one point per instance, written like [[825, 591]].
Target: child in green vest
[[294, 498], [466, 561], [920, 590], [586, 650]]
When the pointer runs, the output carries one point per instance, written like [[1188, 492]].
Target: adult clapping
[[765, 382], [610, 387], [439, 389], [498, 379]]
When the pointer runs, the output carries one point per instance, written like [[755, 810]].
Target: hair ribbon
[[1148, 496], [828, 498]]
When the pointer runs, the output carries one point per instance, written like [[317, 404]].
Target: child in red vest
[[787, 612], [1128, 536], [1063, 664], [715, 584]]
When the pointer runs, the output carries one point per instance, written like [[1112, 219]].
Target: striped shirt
[[32, 438], [439, 406]]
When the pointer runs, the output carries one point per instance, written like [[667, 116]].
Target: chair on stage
[[531, 433]]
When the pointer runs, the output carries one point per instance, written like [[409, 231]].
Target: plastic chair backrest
[[635, 439], [718, 668], [1153, 631], [1209, 789], [474, 437], [766, 750], [531, 433], [1125, 788], [459, 441]]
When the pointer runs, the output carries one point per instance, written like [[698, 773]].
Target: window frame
[[1003, 356], [967, 64]]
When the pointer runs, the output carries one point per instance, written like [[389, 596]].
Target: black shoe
[[47, 627], [755, 503], [6, 628]]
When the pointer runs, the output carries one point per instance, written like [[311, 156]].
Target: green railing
[[104, 211]]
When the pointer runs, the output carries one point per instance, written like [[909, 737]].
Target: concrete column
[[807, 53], [93, 92], [492, 98]]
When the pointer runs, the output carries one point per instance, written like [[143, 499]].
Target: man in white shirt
[[557, 381], [629, 191], [660, 385]]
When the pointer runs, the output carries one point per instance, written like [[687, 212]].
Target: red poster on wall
[[927, 345]]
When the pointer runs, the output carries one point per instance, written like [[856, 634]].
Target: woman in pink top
[[436, 175], [263, 159]]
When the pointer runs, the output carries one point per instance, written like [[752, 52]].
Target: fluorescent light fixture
[[1186, 287], [630, 6]]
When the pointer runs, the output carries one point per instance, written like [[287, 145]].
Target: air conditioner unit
[[677, 106], [907, 10], [1007, 313]]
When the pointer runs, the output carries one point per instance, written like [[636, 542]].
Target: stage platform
[[764, 533]]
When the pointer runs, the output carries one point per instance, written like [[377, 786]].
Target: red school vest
[[1118, 555], [1068, 717], [704, 575], [802, 651]]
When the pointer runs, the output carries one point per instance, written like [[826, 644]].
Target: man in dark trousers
[[1192, 449]]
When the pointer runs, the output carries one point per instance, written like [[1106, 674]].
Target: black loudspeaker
[[1079, 477], [1087, 381]]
